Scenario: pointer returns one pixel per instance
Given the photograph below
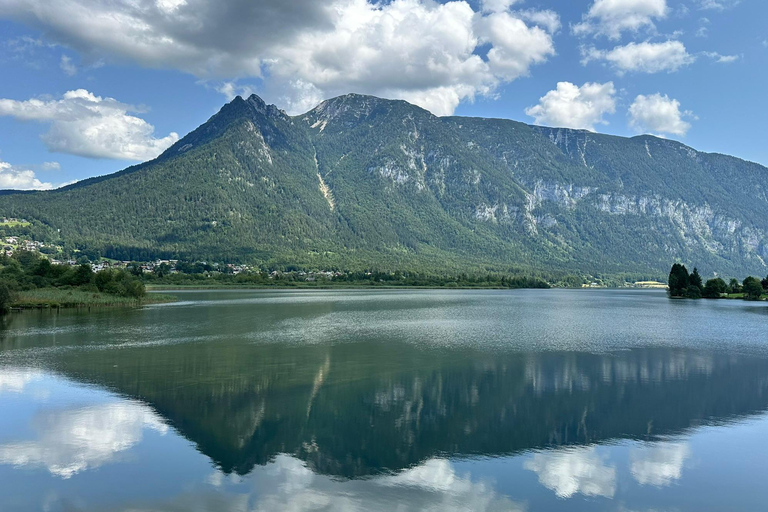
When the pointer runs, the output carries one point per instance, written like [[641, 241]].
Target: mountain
[[361, 182]]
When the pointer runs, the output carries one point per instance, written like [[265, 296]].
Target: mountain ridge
[[364, 182]]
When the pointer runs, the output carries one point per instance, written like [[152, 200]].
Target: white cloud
[[51, 166], [305, 51], [67, 66], [12, 177], [722, 59], [547, 19], [658, 114], [612, 17], [84, 124], [703, 30], [497, 5], [718, 5], [643, 57], [230, 89], [74, 440], [570, 106], [409, 49], [574, 470], [658, 464]]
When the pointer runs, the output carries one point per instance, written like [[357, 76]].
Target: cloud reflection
[[73, 440], [14, 381], [288, 484], [658, 464], [574, 470]]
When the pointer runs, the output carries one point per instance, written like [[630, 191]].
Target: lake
[[526, 400]]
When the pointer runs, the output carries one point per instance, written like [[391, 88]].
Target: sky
[[89, 87]]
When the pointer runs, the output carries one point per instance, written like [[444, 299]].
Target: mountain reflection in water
[[379, 421]]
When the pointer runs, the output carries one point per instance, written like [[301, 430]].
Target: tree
[[714, 288], [83, 274], [695, 279], [734, 286], [162, 270], [764, 282], [678, 280], [692, 292], [694, 285], [752, 288], [5, 298]]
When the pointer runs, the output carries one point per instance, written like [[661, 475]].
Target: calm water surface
[[409, 400]]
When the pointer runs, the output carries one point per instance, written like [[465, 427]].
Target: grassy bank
[[74, 298]]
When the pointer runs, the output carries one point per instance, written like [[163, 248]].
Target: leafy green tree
[[83, 274], [752, 288], [734, 286], [714, 288], [162, 270], [27, 259], [102, 279], [43, 267], [764, 282], [692, 292]]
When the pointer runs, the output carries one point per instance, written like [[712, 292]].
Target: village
[[158, 267]]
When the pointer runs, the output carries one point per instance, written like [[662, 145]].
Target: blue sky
[[89, 87]]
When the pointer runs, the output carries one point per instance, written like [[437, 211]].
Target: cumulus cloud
[[13, 177], [574, 470], [571, 106], [611, 18], [643, 57], [72, 440], [658, 464], [304, 51], [658, 114], [84, 124]]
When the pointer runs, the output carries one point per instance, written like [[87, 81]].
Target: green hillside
[[360, 182]]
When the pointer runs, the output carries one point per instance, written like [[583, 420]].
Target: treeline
[[196, 275], [25, 271], [690, 286]]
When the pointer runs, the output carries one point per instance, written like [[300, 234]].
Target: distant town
[[163, 268]]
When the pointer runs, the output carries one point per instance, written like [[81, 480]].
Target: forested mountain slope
[[361, 182]]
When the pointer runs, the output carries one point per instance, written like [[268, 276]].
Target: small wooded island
[[690, 286]]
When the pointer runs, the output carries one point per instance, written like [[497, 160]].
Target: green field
[[14, 224]]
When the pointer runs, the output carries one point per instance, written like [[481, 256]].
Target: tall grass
[[73, 298]]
